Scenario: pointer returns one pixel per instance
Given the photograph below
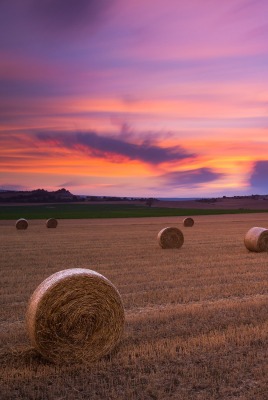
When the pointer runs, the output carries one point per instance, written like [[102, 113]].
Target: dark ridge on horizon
[[64, 195]]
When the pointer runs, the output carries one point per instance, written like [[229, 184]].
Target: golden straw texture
[[256, 239], [170, 238], [188, 222], [51, 223], [75, 315], [22, 223]]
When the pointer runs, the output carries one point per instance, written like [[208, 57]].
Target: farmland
[[196, 317], [125, 210]]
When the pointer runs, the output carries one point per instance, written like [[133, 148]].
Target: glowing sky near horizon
[[134, 98]]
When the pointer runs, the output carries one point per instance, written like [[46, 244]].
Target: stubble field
[[196, 318]]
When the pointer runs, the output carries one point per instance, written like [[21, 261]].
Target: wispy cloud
[[73, 183], [189, 178], [258, 178], [7, 186], [68, 14], [114, 149], [58, 19]]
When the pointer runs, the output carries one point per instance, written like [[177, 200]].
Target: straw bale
[[170, 237], [256, 239], [187, 222], [21, 223], [51, 223], [75, 315]]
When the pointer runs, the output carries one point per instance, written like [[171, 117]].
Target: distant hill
[[59, 196], [37, 196], [65, 196]]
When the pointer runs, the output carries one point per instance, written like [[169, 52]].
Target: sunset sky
[[134, 98]]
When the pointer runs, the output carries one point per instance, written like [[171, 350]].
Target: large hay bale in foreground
[[256, 239], [21, 223], [51, 223], [75, 315], [187, 222], [170, 238]]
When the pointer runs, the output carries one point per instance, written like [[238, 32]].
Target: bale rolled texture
[[187, 222], [51, 223], [75, 315], [170, 238], [256, 239], [21, 223]]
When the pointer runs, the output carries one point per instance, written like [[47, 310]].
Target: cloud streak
[[189, 178], [115, 149], [258, 178], [51, 19], [7, 186], [69, 16]]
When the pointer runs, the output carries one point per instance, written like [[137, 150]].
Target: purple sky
[[134, 98]]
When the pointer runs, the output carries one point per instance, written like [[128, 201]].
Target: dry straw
[[187, 222], [21, 223], [256, 239], [51, 223], [75, 315], [170, 238]]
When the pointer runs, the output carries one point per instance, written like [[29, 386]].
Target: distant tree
[[149, 202]]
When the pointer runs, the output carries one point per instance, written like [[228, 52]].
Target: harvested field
[[196, 317]]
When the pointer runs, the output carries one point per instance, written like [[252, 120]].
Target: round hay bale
[[256, 239], [51, 223], [75, 315], [170, 238], [21, 223], [187, 222]]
